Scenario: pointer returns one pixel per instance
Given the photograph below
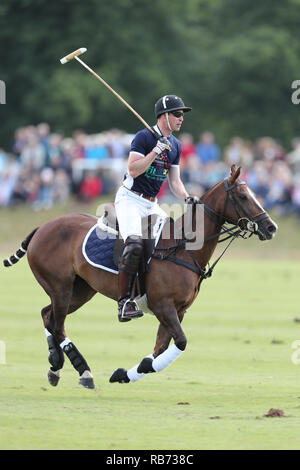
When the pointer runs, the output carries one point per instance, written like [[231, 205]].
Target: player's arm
[[175, 183], [138, 164]]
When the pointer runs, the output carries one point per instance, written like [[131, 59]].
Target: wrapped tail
[[13, 259]]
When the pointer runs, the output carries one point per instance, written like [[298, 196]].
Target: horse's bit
[[251, 222]]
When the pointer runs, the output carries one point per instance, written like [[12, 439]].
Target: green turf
[[236, 367]]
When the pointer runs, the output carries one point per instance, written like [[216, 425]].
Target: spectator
[[43, 134], [267, 149], [96, 147], [68, 150], [193, 175], [8, 180], [79, 139], [91, 187], [188, 148], [117, 147], [207, 149], [20, 193], [279, 183], [61, 187], [19, 141], [32, 185], [293, 157], [55, 151], [258, 179], [33, 154], [3, 161], [239, 153], [44, 198], [295, 195]]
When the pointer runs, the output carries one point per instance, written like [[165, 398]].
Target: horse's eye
[[243, 197]]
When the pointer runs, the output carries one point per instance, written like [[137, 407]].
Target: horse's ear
[[234, 174]]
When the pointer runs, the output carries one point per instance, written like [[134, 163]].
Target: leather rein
[[237, 231]]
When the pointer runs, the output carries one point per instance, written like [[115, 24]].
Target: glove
[[161, 145], [192, 200]]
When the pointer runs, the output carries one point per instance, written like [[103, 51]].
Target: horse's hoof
[[87, 383], [119, 375], [53, 378], [86, 380]]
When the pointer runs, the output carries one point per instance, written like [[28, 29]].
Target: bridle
[[231, 233], [250, 222]]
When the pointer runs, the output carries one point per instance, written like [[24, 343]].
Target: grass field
[[236, 367]]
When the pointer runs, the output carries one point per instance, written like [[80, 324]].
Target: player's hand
[[162, 144], [192, 200]]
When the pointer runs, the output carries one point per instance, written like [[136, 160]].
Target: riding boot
[[128, 267]]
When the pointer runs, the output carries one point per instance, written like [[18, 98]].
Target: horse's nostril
[[271, 228]]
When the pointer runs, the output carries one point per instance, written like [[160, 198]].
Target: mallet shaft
[[81, 50], [115, 93]]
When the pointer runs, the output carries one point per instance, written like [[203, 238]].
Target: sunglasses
[[177, 114]]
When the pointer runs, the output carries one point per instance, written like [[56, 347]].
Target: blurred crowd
[[46, 168], [271, 172]]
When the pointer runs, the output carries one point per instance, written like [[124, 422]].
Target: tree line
[[233, 61]]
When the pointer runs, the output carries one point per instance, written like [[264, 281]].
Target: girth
[[196, 268]]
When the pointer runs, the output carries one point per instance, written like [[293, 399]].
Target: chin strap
[[167, 116]]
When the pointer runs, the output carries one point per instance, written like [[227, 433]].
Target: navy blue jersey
[[150, 182]]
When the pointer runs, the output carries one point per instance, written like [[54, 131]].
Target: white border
[[104, 227], [86, 257]]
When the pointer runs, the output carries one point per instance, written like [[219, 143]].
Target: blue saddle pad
[[98, 249]]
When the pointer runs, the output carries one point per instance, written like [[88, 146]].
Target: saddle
[[151, 230]]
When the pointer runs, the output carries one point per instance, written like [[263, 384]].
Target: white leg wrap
[[65, 342], [133, 374], [166, 358]]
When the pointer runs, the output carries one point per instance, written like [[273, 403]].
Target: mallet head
[[71, 56]]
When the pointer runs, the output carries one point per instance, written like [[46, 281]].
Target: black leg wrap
[[56, 356], [181, 344], [145, 367], [77, 360], [119, 375]]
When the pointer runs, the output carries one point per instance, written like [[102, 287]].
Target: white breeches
[[130, 209]]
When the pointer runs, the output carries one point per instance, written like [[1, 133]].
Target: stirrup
[[132, 313]]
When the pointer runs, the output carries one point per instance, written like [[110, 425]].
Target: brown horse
[[72, 281]]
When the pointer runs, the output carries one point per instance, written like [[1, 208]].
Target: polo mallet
[[75, 54]]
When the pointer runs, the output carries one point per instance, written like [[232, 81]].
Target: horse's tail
[[13, 259]]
